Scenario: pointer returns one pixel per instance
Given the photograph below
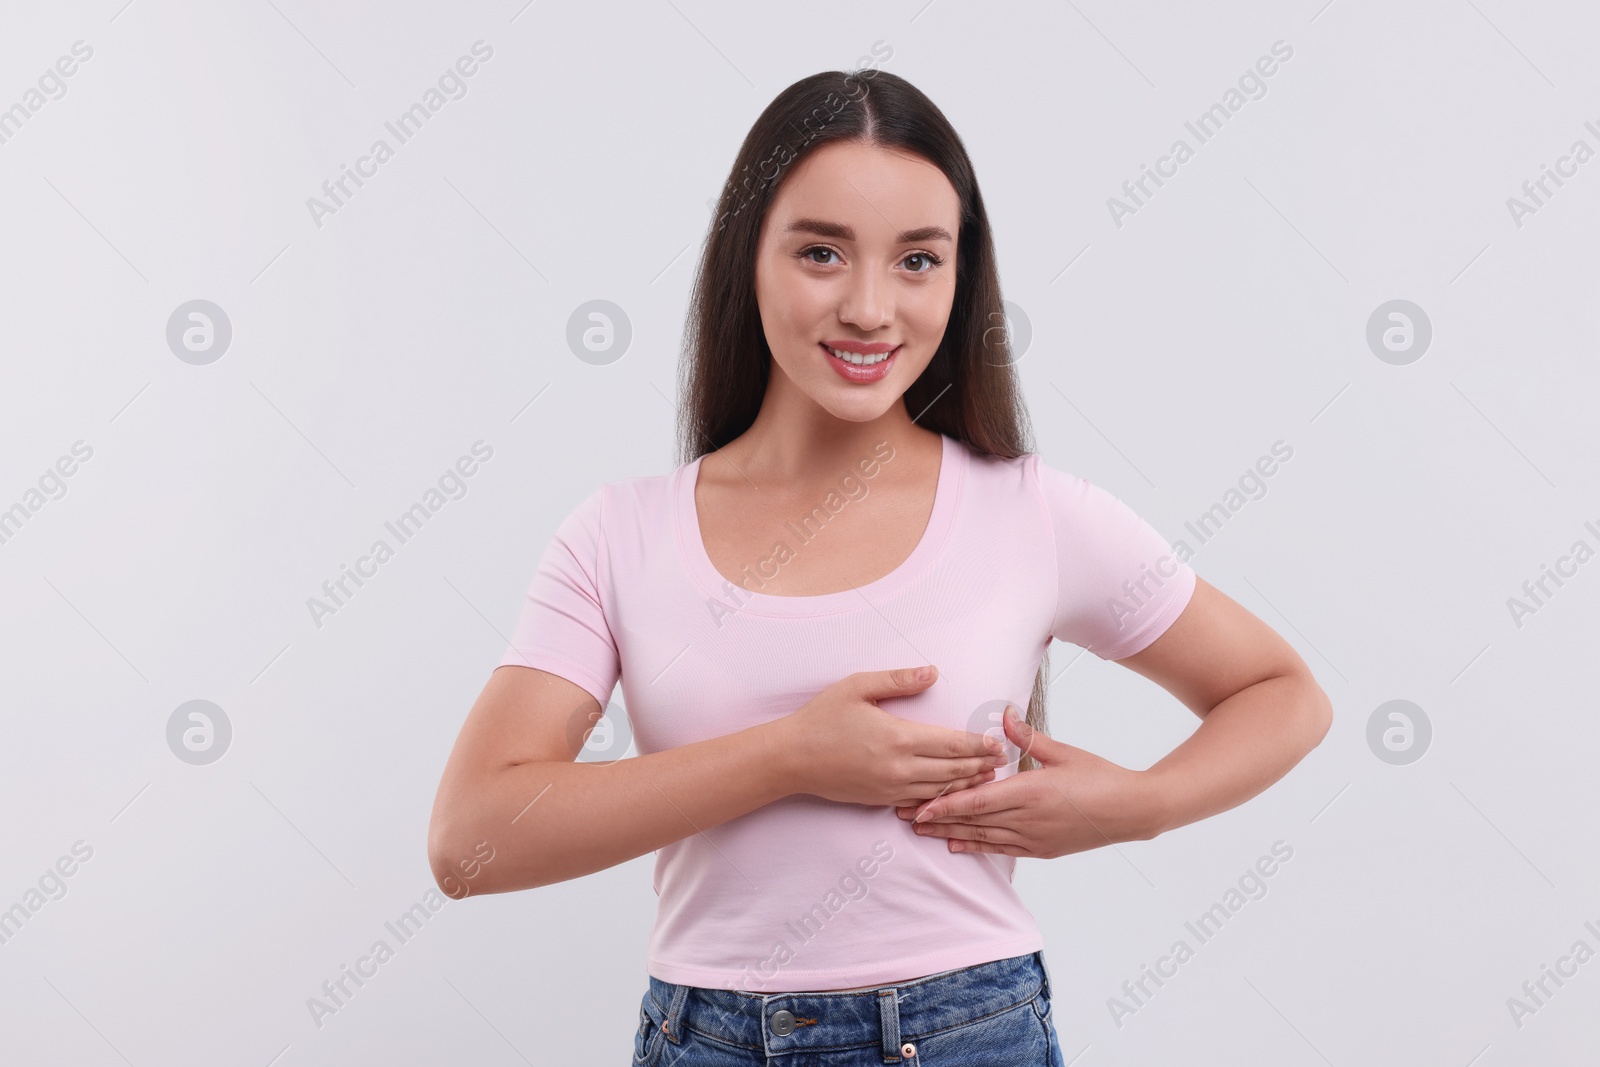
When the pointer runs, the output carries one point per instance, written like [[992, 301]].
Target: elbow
[[472, 849], [458, 856], [440, 849], [460, 865], [1319, 713], [463, 861]]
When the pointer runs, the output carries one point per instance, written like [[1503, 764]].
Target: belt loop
[[1046, 969], [889, 1023], [673, 1026]]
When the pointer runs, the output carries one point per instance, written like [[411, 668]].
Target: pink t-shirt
[[807, 893]]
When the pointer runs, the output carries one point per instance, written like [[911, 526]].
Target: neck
[[795, 440]]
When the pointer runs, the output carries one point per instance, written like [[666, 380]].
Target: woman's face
[[857, 250]]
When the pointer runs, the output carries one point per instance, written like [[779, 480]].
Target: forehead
[[878, 191]]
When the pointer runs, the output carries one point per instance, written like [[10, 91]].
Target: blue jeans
[[989, 1015]]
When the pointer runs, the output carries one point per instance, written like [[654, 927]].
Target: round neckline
[[952, 465]]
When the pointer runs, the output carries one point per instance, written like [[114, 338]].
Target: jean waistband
[[787, 1022]]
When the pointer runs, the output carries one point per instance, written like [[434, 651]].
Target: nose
[[867, 304]]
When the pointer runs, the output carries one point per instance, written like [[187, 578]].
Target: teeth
[[860, 360]]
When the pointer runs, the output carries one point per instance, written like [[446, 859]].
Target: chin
[[856, 410]]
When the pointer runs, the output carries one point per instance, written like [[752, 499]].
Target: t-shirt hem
[[1143, 638], [892, 972], [561, 667]]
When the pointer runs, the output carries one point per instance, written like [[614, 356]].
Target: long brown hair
[[969, 390]]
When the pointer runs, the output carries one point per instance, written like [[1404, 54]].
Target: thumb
[[900, 681], [1045, 749]]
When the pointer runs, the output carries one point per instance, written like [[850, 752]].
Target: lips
[[859, 358], [859, 372]]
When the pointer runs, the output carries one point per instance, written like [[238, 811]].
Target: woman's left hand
[[1072, 802]]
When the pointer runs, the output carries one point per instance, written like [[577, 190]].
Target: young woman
[[859, 500]]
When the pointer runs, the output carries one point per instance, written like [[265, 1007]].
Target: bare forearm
[[1242, 746], [549, 822]]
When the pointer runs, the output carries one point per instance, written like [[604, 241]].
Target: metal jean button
[[908, 1050], [782, 1023]]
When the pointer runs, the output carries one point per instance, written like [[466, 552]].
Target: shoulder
[[1025, 478], [615, 505], [1000, 472], [1078, 508], [645, 490], [642, 503], [1066, 491]]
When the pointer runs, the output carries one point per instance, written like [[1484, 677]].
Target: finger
[[946, 788], [988, 846], [931, 769], [1041, 746], [993, 797], [933, 791], [988, 816], [997, 833], [940, 742], [900, 681], [923, 792]]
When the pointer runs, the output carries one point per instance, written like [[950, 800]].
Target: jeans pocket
[[647, 1039], [1041, 1009]]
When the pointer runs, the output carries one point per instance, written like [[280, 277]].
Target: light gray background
[[1167, 355]]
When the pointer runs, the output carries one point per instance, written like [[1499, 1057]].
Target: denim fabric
[[989, 1015]]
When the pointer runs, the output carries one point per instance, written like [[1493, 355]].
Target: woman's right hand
[[841, 746]]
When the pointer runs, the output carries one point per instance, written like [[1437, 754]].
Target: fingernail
[[1011, 713], [924, 673]]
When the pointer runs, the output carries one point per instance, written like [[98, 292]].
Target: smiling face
[[857, 253]]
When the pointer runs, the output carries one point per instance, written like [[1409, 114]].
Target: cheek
[[799, 310], [776, 291], [928, 311]]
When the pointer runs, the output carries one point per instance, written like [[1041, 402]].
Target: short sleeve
[[1119, 584], [562, 628]]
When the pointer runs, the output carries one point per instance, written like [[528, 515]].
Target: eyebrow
[[839, 231]]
